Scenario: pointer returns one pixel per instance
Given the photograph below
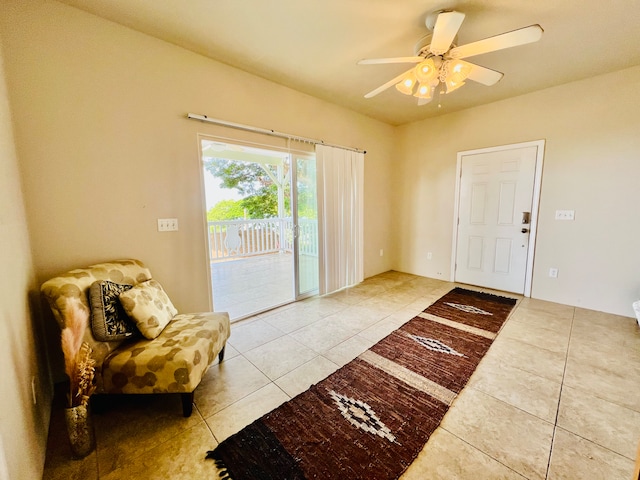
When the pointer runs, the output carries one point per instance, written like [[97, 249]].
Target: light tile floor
[[556, 396]]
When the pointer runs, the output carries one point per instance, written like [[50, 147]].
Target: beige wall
[[106, 150], [591, 165], [103, 150], [23, 425]]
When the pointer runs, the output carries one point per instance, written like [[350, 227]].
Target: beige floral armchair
[[139, 341]]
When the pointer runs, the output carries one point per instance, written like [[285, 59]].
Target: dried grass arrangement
[[78, 364]]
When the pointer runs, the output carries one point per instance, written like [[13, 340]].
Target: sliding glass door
[[261, 224]]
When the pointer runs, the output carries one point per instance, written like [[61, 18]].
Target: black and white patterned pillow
[[109, 322]]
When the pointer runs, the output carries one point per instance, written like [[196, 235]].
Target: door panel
[[476, 247], [496, 188], [506, 203], [306, 225], [478, 203], [502, 257]]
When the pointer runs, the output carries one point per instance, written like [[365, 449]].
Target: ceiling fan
[[440, 61]]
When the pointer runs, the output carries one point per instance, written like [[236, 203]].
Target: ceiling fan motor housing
[[430, 20], [421, 49]]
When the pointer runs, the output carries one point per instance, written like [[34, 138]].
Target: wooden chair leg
[[187, 403], [221, 354]]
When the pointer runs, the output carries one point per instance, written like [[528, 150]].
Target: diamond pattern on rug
[[500, 307], [450, 371], [468, 308], [361, 415], [313, 431], [435, 345]]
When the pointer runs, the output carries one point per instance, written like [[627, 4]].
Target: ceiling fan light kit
[[439, 61], [427, 71], [424, 91], [453, 85], [407, 84]]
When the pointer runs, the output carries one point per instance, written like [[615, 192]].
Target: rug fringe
[[486, 296], [223, 472]]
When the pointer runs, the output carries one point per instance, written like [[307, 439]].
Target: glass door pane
[[306, 229], [250, 227]]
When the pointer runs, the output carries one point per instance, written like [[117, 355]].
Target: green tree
[[245, 177], [253, 182], [264, 204], [226, 210]]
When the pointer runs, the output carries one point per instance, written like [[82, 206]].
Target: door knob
[[524, 230]]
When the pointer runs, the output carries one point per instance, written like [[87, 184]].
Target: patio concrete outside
[[249, 285]]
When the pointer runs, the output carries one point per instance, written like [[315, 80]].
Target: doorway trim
[[540, 145]]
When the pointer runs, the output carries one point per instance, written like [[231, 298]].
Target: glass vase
[[80, 430]]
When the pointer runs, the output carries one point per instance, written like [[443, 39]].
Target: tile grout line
[[564, 372], [597, 444], [482, 452]]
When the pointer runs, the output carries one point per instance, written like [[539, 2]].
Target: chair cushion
[[149, 307], [174, 362], [109, 322]]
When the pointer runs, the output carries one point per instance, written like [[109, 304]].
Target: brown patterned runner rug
[[371, 418]]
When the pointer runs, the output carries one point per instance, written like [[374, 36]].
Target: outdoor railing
[[308, 236], [242, 238]]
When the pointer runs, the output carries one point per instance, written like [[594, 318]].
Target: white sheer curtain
[[340, 176]]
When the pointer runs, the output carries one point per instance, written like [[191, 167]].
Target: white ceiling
[[313, 45]]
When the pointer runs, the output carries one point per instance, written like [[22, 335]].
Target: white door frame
[[534, 205]]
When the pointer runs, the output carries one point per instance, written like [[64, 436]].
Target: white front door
[[496, 214]]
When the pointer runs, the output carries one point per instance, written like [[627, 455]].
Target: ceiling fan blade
[[424, 101], [522, 36], [483, 75], [391, 82], [445, 30], [378, 61]]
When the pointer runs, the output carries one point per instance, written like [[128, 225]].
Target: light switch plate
[[167, 224], [565, 214]]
